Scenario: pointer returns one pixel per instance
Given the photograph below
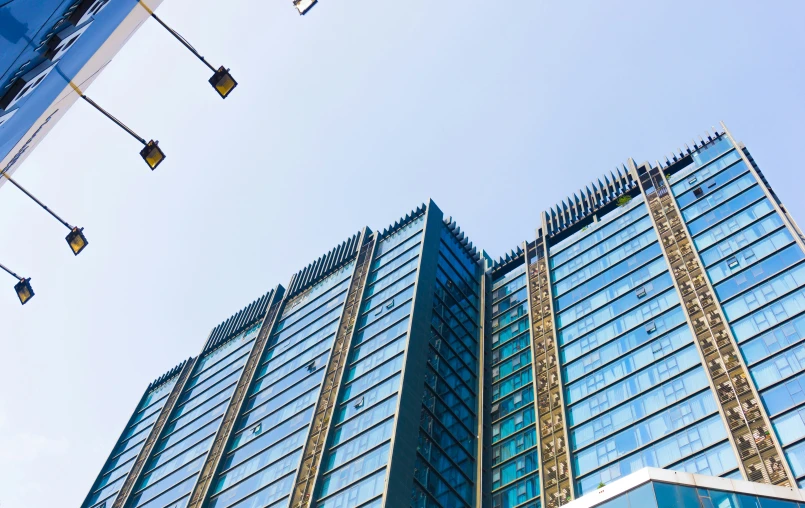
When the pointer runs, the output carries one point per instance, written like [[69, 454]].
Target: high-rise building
[[657, 320], [50, 52]]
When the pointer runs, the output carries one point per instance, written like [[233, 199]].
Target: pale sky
[[349, 116]]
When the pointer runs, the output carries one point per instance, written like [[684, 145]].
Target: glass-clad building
[[660, 488], [656, 320]]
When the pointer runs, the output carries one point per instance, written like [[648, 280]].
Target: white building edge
[[653, 474]]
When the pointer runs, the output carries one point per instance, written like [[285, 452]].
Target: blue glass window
[[760, 271], [662, 454], [735, 223], [640, 434], [769, 316], [638, 279], [638, 383], [514, 469], [708, 185], [749, 255], [627, 365], [579, 327], [789, 394], [516, 494], [622, 323], [512, 424], [796, 457], [613, 257], [250, 481], [652, 401], [609, 349], [511, 383], [690, 180], [571, 246], [726, 209], [620, 236], [774, 340], [354, 470], [519, 443], [711, 150], [765, 293], [721, 195], [741, 239], [360, 423], [357, 494], [651, 253]]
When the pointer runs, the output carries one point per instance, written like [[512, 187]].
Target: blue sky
[[347, 117]]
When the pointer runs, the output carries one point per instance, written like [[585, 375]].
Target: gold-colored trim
[[211, 463], [556, 482], [759, 453], [305, 483]]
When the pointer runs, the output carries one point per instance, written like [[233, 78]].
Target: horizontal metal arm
[[11, 273], [183, 41], [112, 118], [48, 210]]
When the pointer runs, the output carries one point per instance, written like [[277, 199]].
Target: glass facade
[[515, 464], [756, 268], [608, 345], [635, 389], [115, 471], [666, 495], [354, 465], [36, 76], [171, 471], [260, 462], [445, 471]]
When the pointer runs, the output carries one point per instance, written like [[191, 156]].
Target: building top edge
[[239, 321], [590, 199], [164, 378], [680, 153], [582, 204], [325, 265], [512, 257], [403, 221], [462, 239]]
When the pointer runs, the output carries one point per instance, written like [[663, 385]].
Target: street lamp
[[221, 80], [303, 5], [151, 153], [23, 288], [75, 238]]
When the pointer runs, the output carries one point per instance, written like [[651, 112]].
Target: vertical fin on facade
[[233, 410], [681, 154], [758, 450], [249, 315], [133, 477], [554, 471], [586, 201], [324, 265], [111, 462], [513, 256], [404, 221], [305, 482], [164, 378], [463, 239]]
